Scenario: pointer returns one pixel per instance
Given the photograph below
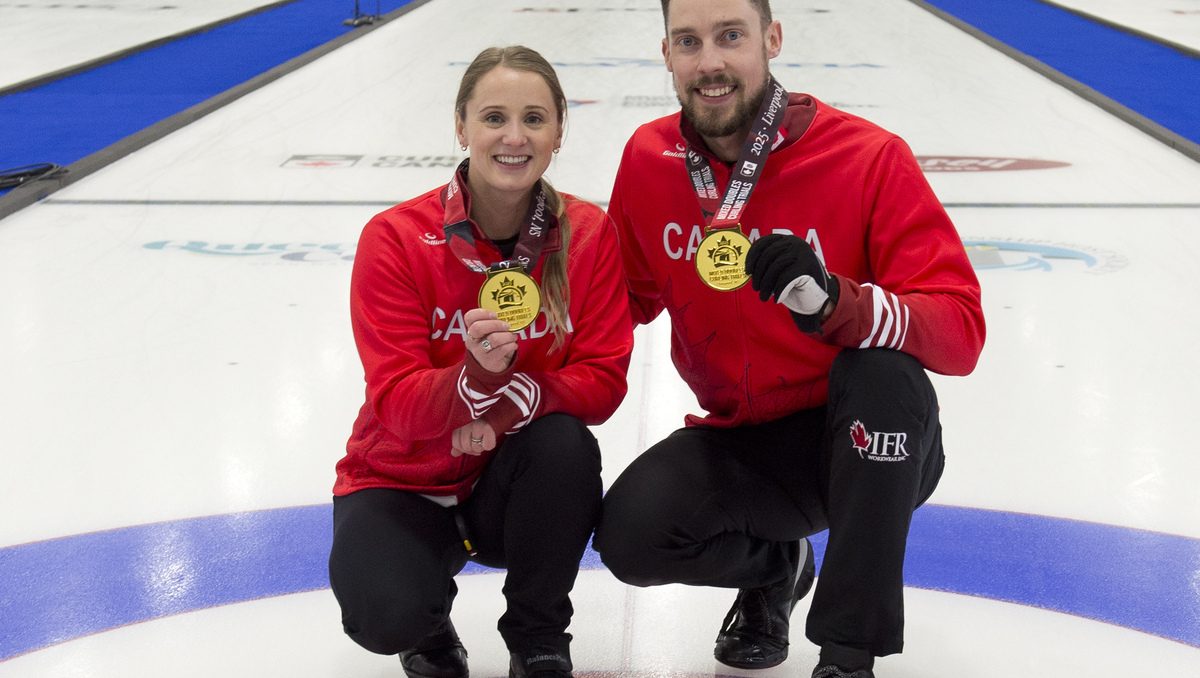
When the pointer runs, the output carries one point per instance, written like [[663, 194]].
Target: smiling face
[[512, 125], [718, 53]]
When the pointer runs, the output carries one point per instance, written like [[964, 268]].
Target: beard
[[712, 123]]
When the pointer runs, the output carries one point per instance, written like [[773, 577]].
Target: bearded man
[[811, 278]]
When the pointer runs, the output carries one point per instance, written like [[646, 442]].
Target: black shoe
[[438, 655], [833, 671], [755, 632], [541, 661]]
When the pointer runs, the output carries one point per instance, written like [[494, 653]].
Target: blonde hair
[[555, 286]]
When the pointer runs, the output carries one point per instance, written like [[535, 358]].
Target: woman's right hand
[[489, 340], [474, 438]]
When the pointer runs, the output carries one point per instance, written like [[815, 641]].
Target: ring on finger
[[476, 441], [487, 345]]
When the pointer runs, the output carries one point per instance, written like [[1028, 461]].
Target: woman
[[491, 318]]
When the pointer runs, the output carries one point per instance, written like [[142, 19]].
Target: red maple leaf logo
[[859, 438]]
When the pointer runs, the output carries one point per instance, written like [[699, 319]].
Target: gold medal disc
[[720, 261], [513, 295]]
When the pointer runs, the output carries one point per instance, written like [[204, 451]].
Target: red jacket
[[857, 195], [408, 295]]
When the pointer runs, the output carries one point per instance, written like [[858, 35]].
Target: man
[[820, 414]]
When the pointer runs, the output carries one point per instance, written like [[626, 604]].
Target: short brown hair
[[763, 7]]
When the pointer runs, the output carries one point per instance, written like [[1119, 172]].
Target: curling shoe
[[834, 671], [438, 655], [754, 634], [541, 661]]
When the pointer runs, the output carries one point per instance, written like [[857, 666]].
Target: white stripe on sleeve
[[477, 402], [878, 314], [890, 319], [527, 395]]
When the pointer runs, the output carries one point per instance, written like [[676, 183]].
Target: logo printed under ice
[[958, 163], [302, 251], [1036, 255], [877, 446]]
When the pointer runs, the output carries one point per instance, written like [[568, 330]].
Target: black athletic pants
[[395, 553], [722, 507]]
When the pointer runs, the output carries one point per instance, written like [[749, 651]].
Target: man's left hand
[[786, 268]]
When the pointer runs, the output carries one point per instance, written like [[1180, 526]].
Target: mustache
[[711, 81]]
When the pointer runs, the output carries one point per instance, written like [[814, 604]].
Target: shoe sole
[[414, 674], [755, 665]]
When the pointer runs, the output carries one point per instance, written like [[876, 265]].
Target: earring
[[463, 147], [556, 151]]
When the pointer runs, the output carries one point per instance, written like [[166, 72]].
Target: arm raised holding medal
[[489, 340], [491, 318], [492, 347]]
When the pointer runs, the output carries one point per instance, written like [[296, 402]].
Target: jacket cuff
[[480, 389], [504, 417], [516, 404], [481, 379]]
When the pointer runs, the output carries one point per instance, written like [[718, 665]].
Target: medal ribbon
[[726, 212], [460, 236]]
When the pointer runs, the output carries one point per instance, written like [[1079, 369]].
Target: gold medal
[[513, 295], [720, 261]]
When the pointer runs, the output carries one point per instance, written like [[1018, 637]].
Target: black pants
[[722, 507], [395, 553]]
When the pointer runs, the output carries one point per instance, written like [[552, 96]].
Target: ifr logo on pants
[[877, 446]]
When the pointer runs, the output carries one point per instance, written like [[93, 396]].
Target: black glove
[[785, 267]]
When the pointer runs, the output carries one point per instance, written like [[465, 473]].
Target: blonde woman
[[491, 318]]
